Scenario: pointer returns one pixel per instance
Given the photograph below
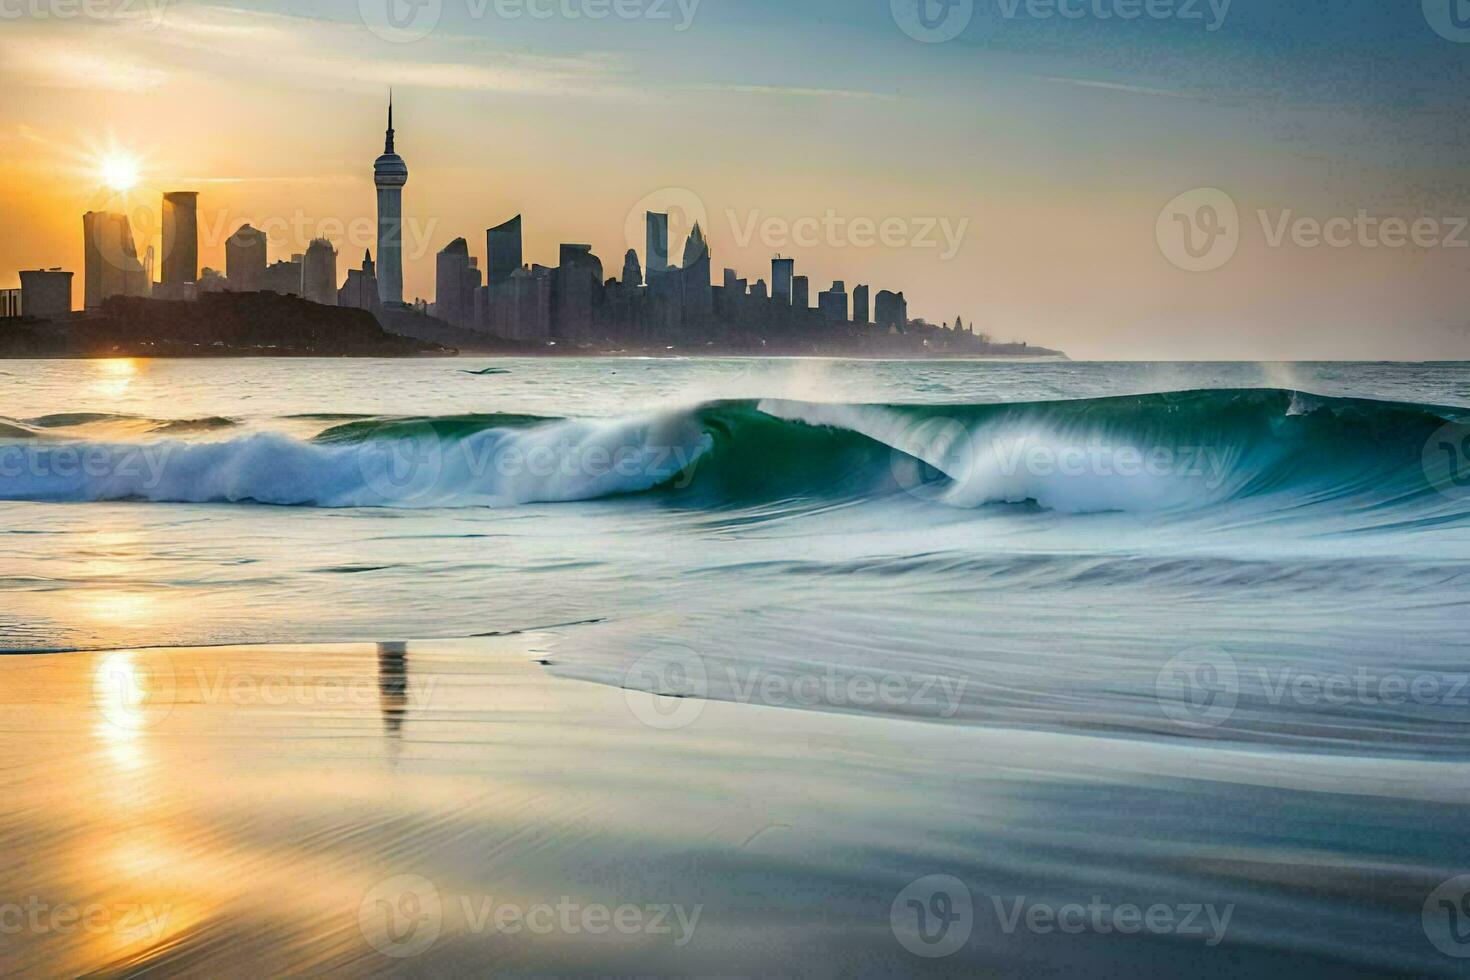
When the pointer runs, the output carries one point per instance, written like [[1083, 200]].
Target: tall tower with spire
[[390, 173]]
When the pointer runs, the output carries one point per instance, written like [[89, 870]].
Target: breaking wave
[[1184, 451]]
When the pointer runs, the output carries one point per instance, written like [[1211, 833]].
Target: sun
[[120, 172]]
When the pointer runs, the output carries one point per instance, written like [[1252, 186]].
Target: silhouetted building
[[656, 252], [390, 173], [632, 271], [860, 313], [319, 273], [211, 281], [180, 238], [9, 303], [361, 288], [833, 303], [782, 271], [503, 251], [452, 303], [891, 311], [694, 277], [520, 308], [245, 259], [758, 291], [576, 289], [110, 265], [45, 293], [801, 293], [284, 277]]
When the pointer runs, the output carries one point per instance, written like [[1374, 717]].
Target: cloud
[[213, 42]]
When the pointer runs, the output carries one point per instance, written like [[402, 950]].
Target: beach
[[458, 806]]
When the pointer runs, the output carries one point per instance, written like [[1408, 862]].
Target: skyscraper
[[110, 265], [694, 276], [576, 290], [451, 268], [891, 310], [860, 304], [319, 273], [361, 288], [656, 252], [45, 293], [502, 251], [801, 293], [781, 272], [180, 238], [833, 303], [245, 259], [632, 271], [390, 173]]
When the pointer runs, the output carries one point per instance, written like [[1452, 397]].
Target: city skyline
[[1053, 143]]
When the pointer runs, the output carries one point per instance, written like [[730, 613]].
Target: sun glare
[[120, 172]]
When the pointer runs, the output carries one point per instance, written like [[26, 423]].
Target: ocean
[[1201, 625]]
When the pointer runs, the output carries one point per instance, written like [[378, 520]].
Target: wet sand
[[456, 806]]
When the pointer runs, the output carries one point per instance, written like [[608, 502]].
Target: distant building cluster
[[655, 301]]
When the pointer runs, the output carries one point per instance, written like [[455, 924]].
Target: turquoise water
[[1264, 567]]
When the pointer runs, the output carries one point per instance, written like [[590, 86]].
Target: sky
[[1252, 180]]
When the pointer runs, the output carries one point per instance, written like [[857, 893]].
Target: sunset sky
[[1020, 168]]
